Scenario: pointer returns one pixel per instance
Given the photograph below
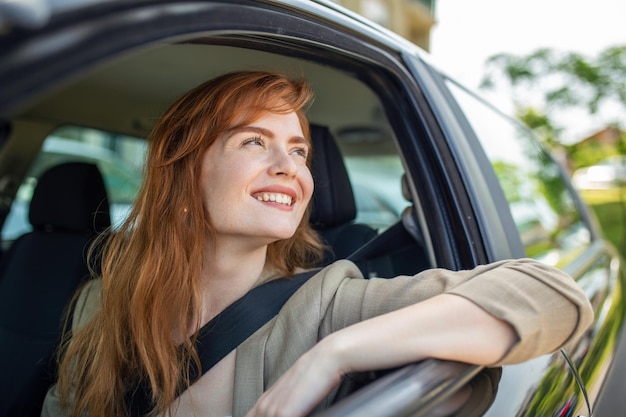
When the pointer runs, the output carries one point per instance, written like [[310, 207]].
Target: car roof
[[35, 14], [127, 95]]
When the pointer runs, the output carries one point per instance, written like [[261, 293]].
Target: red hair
[[151, 268]]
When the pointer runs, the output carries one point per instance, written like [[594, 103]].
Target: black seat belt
[[245, 316], [228, 330]]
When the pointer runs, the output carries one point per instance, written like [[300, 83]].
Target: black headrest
[[333, 199], [70, 197]]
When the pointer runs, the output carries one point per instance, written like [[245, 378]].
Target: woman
[[224, 208]]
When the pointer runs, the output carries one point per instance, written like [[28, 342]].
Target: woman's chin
[[278, 236]]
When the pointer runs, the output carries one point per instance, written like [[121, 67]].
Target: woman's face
[[256, 181]]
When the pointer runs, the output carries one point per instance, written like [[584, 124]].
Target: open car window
[[351, 108]]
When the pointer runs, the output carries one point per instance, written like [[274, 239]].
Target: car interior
[[69, 165]]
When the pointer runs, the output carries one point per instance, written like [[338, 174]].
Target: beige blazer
[[545, 307]]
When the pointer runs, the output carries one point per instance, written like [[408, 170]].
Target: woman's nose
[[283, 164]]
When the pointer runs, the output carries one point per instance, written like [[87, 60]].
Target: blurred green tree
[[564, 80]]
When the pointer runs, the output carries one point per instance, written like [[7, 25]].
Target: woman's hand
[[303, 386]]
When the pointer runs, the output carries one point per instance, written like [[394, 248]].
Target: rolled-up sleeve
[[544, 305]]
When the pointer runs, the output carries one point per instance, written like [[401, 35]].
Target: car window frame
[[482, 185], [413, 390]]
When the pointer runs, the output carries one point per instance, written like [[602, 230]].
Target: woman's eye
[[255, 141], [302, 152]]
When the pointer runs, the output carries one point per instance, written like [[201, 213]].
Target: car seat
[[38, 276], [400, 249], [333, 211]]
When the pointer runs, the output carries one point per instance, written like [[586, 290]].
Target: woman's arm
[[544, 306], [505, 312], [445, 327]]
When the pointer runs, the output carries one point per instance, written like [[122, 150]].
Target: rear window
[[119, 158]]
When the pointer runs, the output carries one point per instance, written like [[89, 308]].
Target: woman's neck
[[228, 274]]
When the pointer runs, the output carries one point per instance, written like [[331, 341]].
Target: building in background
[[411, 19]]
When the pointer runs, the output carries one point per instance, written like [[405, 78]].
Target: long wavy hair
[[151, 267]]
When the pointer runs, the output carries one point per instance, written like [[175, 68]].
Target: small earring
[[185, 210]]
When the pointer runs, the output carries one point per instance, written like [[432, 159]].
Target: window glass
[[375, 171], [377, 184], [119, 158], [543, 208]]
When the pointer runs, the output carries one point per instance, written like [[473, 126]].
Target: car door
[[554, 226]]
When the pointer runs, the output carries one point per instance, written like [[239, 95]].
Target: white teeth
[[275, 198]]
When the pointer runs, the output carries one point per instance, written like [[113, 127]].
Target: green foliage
[[585, 154], [540, 123], [517, 69], [510, 180], [565, 79]]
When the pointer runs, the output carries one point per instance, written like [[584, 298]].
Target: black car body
[[466, 183]]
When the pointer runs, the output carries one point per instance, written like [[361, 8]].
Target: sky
[[468, 32]]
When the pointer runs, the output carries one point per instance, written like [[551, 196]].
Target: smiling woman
[[193, 218], [224, 209]]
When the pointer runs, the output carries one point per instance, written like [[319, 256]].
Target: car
[[435, 169]]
